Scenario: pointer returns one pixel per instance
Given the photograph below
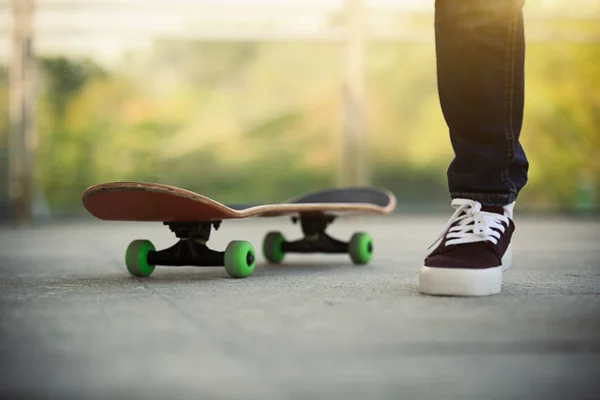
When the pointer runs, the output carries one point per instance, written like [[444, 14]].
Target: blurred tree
[[60, 169], [4, 123], [62, 79], [262, 122], [239, 106], [3, 101], [562, 125], [408, 135]]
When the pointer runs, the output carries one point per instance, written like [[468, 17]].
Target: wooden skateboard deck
[[140, 201], [191, 216]]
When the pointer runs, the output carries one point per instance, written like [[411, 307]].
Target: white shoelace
[[473, 225]]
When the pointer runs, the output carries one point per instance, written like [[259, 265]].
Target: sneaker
[[471, 254]]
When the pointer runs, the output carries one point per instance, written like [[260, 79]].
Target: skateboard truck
[[316, 240], [191, 249], [238, 258], [199, 230]]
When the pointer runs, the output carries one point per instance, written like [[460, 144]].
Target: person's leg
[[480, 59]]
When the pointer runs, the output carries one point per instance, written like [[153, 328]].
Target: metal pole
[[22, 106], [354, 157]]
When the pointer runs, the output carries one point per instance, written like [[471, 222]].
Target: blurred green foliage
[[262, 122], [3, 142]]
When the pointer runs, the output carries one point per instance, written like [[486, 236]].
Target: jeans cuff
[[486, 199]]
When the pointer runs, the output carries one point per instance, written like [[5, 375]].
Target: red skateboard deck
[[140, 201]]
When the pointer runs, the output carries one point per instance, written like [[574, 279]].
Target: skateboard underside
[[191, 217]]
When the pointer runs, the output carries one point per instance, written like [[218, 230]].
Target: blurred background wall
[[259, 100]]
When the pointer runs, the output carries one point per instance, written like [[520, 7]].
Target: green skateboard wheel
[[272, 247], [136, 258], [240, 259], [360, 248]]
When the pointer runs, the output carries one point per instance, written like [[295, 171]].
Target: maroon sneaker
[[471, 254]]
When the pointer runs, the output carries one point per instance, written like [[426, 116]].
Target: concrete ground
[[74, 325]]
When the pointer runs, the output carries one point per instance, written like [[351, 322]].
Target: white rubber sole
[[464, 281]]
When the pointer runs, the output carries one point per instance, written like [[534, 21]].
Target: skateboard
[[192, 216]]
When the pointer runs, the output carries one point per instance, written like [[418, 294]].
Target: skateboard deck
[[191, 216], [139, 201]]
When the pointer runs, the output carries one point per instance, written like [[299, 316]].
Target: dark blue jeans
[[480, 49]]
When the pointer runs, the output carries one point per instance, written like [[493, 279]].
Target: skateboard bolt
[[250, 259], [370, 248]]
